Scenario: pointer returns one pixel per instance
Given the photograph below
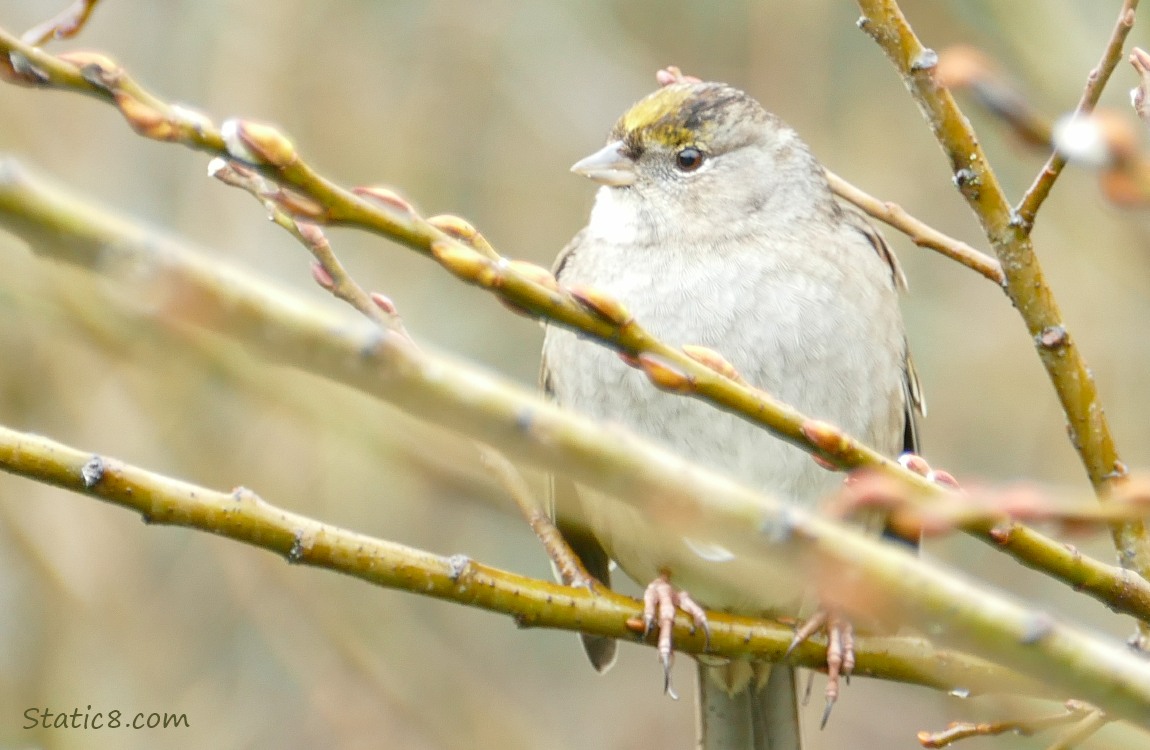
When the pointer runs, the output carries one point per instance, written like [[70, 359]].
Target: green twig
[[1025, 283]]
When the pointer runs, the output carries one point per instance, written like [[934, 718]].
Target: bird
[[715, 226]]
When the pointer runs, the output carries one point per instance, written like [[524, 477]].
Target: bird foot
[[660, 600], [840, 651]]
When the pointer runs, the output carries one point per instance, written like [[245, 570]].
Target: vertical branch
[[1025, 283]]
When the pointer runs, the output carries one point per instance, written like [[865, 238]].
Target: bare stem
[[34, 207], [243, 516], [1025, 283], [64, 25], [188, 289], [567, 563], [920, 233], [1035, 196]]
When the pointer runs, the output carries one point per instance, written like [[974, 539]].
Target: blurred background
[[476, 107]]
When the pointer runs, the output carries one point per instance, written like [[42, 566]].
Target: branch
[[64, 25], [187, 289], [523, 287], [1025, 284], [328, 271], [1095, 82], [243, 516], [1102, 140], [1075, 713], [919, 232]]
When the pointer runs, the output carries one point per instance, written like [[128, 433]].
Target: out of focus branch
[[522, 286], [526, 288], [1102, 140], [64, 25], [966, 68], [1028, 207], [693, 371], [1025, 283], [183, 289], [243, 516]]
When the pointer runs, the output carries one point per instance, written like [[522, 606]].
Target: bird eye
[[689, 159]]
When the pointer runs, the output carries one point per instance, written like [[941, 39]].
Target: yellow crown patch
[[663, 117]]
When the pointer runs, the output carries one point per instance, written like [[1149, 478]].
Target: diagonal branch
[[187, 289], [526, 288], [1025, 283], [919, 232], [1095, 82], [243, 516], [33, 208]]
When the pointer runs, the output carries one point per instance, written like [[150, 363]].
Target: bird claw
[[668, 688], [660, 601], [840, 651], [827, 712]]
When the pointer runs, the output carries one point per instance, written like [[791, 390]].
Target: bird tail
[[761, 713]]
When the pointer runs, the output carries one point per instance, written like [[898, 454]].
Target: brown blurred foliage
[[474, 107]]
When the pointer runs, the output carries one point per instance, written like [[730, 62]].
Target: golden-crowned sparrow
[[715, 226]]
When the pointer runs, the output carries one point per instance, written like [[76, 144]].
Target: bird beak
[[608, 166]]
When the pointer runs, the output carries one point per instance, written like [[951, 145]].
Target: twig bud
[[462, 261], [322, 277], [383, 302], [299, 205], [190, 117], [384, 197], [663, 376], [597, 302], [312, 234], [219, 169], [17, 69], [143, 118], [97, 69], [712, 359], [537, 274], [82, 58], [1052, 337], [825, 436], [257, 143], [463, 231], [454, 226]]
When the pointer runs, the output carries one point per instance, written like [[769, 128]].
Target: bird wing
[[563, 508]]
